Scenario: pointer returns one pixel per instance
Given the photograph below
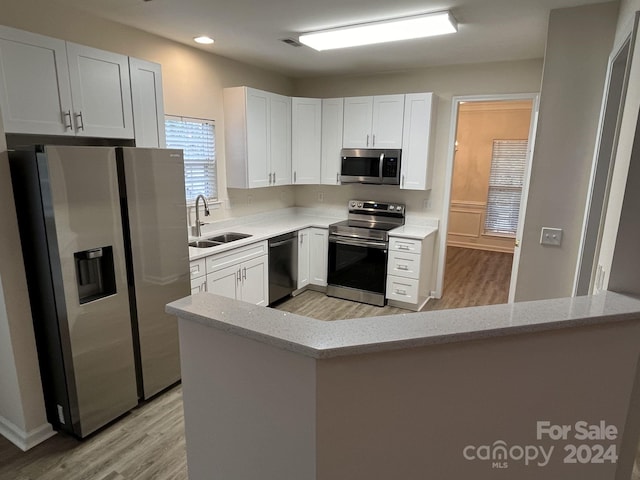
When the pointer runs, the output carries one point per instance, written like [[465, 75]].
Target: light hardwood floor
[[147, 444]]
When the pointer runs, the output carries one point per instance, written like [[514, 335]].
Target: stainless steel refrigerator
[[104, 238]]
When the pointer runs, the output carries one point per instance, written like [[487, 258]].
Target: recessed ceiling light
[[203, 40], [417, 26]]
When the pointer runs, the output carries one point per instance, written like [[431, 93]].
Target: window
[[198, 141], [505, 187]]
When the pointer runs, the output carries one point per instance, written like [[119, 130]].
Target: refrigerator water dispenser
[[95, 274]]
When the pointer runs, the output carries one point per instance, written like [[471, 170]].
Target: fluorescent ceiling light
[[204, 40], [404, 28]]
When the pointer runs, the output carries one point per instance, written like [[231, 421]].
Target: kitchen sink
[[218, 240], [204, 244], [228, 237]]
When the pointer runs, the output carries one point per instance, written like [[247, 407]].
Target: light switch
[[551, 236]]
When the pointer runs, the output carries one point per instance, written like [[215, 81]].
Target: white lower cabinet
[[241, 273], [318, 251], [198, 276], [409, 267], [313, 245], [303, 257]]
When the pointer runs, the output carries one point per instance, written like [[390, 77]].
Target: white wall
[[625, 145], [578, 45], [22, 415]]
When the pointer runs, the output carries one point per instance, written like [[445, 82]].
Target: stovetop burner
[[370, 220]]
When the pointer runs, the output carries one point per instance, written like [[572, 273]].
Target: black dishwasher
[[283, 266]]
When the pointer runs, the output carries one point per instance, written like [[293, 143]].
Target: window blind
[[505, 186], [198, 141]]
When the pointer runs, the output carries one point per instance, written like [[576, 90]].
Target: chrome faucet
[[196, 230]]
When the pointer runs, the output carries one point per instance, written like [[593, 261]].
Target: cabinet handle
[[238, 276], [337, 178], [244, 273], [400, 291], [274, 178], [403, 247], [367, 139], [80, 121], [402, 181], [295, 176], [66, 119], [301, 239], [373, 143], [403, 267]]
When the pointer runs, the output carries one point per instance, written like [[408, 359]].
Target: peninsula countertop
[[324, 339]]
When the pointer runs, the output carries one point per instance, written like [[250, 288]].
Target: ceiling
[[251, 30]]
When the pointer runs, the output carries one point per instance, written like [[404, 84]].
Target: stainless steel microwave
[[370, 165]]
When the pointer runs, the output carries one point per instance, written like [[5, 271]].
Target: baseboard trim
[[25, 440], [475, 246]]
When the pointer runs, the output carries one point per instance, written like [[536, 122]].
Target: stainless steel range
[[358, 250]]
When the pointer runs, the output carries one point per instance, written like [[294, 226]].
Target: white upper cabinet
[[280, 139], [388, 115], [35, 94], [306, 140], [148, 104], [49, 86], [358, 117], [332, 126], [416, 166], [257, 138], [256, 156], [101, 92], [373, 122]]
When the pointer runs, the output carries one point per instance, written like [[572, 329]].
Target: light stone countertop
[[263, 227], [269, 226], [319, 339]]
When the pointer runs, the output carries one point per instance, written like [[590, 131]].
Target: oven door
[[357, 269]]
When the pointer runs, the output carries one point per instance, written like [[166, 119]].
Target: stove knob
[[359, 204], [391, 207], [353, 204]]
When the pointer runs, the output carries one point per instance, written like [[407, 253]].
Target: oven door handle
[[381, 167], [354, 242]]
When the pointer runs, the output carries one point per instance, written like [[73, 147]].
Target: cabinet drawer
[[198, 268], [404, 264], [198, 285], [235, 256], [402, 289], [405, 245]]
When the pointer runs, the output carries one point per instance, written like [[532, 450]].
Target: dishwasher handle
[[283, 242]]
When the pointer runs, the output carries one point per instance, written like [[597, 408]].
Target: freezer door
[[82, 212], [157, 214]]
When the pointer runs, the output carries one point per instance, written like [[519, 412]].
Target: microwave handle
[[381, 167]]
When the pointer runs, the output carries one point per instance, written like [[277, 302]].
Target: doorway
[[588, 276], [487, 178]]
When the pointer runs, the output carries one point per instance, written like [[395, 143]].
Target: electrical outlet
[[551, 236], [321, 196]]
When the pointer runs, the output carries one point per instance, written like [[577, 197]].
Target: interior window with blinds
[[505, 187], [197, 139]]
